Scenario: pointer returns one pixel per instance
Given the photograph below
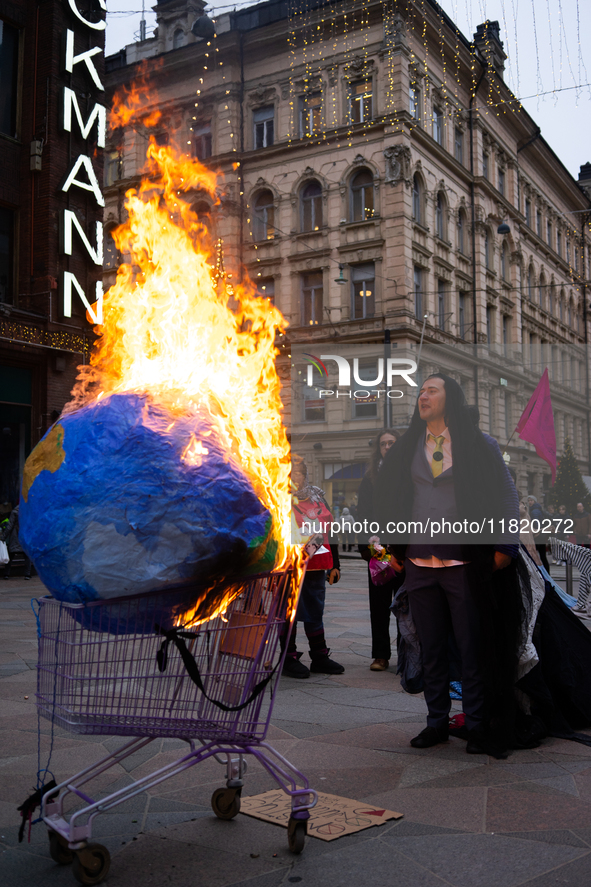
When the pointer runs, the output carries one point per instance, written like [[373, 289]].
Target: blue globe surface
[[111, 507]]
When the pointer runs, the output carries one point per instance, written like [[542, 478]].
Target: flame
[[130, 105], [175, 330], [194, 452]]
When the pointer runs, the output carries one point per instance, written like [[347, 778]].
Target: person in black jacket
[[380, 596], [14, 546]]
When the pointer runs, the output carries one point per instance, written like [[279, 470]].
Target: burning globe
[[170, 466]]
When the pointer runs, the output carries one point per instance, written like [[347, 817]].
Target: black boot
[[321, 662], [292, 667]]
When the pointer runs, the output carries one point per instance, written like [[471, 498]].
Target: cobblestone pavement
[[469, 821]]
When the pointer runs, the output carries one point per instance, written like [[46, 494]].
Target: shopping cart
[[118, 668]]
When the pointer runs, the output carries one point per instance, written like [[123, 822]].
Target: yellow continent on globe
[[48, 455]]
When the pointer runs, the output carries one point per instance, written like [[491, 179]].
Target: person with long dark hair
[[444, 469], [380, 596]]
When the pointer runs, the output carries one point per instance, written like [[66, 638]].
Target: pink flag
[[537, 423]]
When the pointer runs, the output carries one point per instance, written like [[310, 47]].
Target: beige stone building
[[377, 174]]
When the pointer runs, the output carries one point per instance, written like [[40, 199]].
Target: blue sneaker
[[455, 690]]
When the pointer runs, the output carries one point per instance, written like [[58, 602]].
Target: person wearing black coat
[[10, 535], [380, 596]]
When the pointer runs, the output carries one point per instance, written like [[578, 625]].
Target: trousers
[[441, 602]]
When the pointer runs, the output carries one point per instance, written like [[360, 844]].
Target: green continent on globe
[[48, 455]]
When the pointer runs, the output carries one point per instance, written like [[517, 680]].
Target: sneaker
[[293, 668], [325, 665], [26, 577], [379, 665]]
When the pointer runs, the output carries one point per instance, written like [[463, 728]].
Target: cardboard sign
[[331, 818]]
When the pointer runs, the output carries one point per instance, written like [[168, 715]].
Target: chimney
[[585, 179], [487, 40]]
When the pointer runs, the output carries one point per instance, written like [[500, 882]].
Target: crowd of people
[[479, 615]]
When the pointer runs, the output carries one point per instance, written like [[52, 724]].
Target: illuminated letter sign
[[82, 174], [98, 115]]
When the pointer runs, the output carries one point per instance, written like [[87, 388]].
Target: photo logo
[[314, 362]]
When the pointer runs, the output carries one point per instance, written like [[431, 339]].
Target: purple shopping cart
[[120, 668]]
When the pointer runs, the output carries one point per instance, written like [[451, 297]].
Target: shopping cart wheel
[[297, 829], [225, 803], [59, 850], [91, 865]]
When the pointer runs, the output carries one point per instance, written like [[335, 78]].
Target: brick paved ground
[[469, 821]]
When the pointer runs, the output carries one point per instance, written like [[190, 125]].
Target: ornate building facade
[[380, 183]]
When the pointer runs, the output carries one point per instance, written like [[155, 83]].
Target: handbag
[[381, 571], [4, 558]]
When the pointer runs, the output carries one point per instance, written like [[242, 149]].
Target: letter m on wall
[[98, 115]]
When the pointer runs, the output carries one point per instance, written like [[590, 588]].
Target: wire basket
[[213, 682]]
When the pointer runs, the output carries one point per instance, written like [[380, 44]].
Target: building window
[[485, 164], [551, 299], [111, 255], [311, 207], [532, 340], [177, 38], [9, 37], [561, 306], [459, 145], [162, 139], [441, 304], [360, 101], [366, 407], [416, 200], [202, 142], [506, 329], [310, 113], [489, 324], [7, 226], [504, 262], [508, 423], [549, 233], [568, 250], [363, 290], [314, 405], [487, 250], [266, 289], [438, 125], [462, 232], [528, 212], [462, 313], [559, 243], [362, 197], [264, 123], [539, 223], [502, 181], [312, 298], [414, 102], [113, 167], [530, 284], [541, 288], [263, 223], [440, 216], [418, 288]]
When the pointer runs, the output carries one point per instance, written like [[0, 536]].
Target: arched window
[[111, 255], [561, 305], [552, 298], [487, 249], [541, 290], [570, 313], [311, 207], [462, 232], [530, 283], [505, 261], [416, 200], [263, 223], [440, 216], [177, 38], [202, 211], [362, 197]]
